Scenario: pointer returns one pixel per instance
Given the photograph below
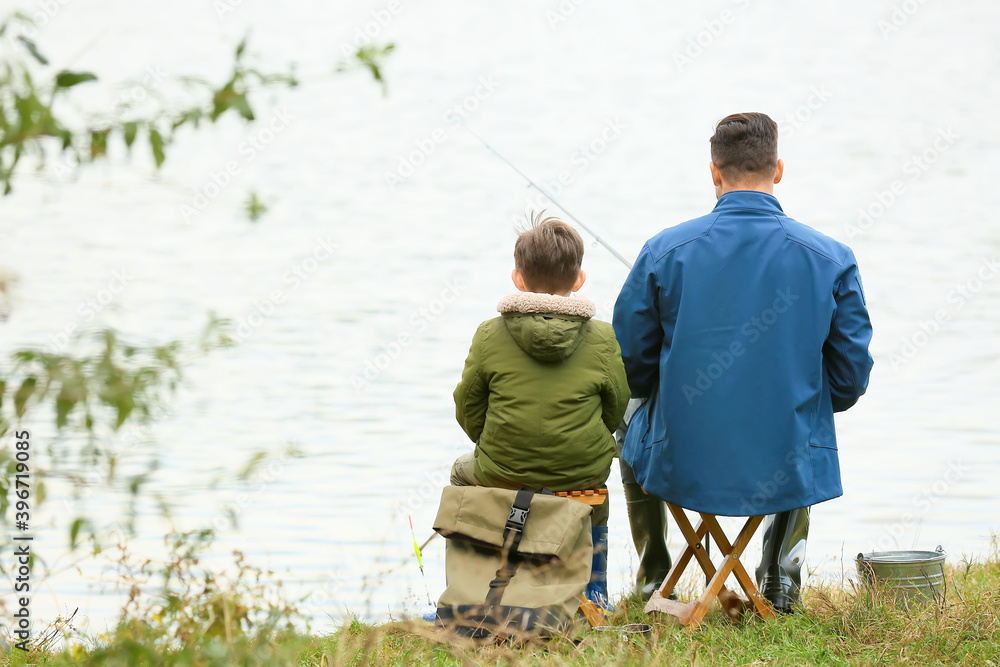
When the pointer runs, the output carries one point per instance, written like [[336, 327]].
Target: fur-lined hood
[[546, 326], [535, 302]]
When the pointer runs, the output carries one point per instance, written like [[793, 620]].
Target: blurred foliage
[[112, 385], [36, 113], [106, 394], [255, 206], [201, 619], [37, 117], [370, 58], [179, 612]]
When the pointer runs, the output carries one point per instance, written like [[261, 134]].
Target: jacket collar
[[535, 302], [748, 199]]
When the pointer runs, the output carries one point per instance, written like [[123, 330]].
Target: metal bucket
[[912, 576]]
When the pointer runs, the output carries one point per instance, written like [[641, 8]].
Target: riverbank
[[840, 626]]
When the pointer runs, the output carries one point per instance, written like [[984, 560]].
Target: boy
[[544, 385]]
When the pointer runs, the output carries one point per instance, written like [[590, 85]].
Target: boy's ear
[[580, 280], [518, 279]]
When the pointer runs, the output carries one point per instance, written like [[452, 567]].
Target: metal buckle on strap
[[516, 519]]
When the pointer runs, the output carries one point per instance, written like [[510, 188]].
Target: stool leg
[[731, 559], [734, 606], [694, 548]]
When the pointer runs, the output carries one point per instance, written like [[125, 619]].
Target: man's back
[[747, 330]]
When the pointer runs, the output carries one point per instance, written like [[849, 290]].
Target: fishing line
[[552, 199], [420, 561]]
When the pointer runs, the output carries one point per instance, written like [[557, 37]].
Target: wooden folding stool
[[691, 613]]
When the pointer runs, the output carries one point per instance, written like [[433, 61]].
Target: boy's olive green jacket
[[542, 392]]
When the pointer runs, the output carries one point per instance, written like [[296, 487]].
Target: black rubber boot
[[779, 575], [648, 521]]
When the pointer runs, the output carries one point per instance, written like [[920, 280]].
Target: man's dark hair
[[745, 145], [548, 254]]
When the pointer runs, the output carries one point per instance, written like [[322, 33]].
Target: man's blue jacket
[[746, 330]]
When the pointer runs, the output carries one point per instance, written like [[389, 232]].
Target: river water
[[389, 238]]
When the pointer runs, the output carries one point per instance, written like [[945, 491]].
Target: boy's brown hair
[[548, 254], [745, 145]]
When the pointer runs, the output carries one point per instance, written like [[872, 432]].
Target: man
[[745, 331]]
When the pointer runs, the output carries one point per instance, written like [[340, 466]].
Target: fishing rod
[[552, 199]]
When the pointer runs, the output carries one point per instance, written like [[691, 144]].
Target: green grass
[[837, 627]]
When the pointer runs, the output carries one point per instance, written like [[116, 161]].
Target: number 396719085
[[22, 475]]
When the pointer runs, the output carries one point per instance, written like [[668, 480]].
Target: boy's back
[[543, 390]]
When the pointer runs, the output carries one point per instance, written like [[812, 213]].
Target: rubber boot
[[784, 551], [597, 589], [647, 517]]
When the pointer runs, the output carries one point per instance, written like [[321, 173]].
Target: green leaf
[[130, 130], [32, 49], [65, 402], [67, 79], [74, 530], [243, 106], [251, 465], [156, 145], [255, 207], [98, 143], [241, 47], [23, 393], [192, 116], [227, 98]]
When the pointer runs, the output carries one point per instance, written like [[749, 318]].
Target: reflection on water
[[357, 363]]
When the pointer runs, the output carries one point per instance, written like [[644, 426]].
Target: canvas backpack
[[516, 562]]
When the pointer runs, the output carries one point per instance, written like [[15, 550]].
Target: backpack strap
[[512, 533]]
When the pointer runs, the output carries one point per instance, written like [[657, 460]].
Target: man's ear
[[716, 175], [580, 280], [518, 279], [778, 171]]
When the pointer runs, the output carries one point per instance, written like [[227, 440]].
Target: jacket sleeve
[[638, 328], [846, 359], [615, 393], [472, 393]]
